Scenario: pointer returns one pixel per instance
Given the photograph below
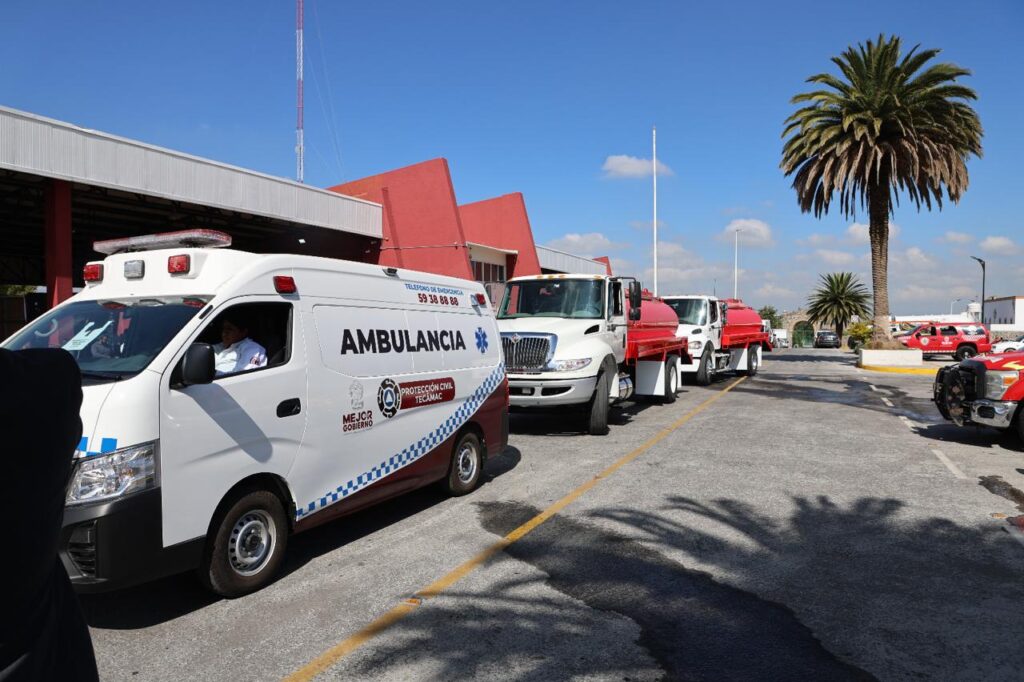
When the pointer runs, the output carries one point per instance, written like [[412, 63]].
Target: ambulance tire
[[671, 380], [466, 466], [597, 408], [247, 546], [705, 372]]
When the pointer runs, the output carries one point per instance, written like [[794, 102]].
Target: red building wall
[[502, 222], [422, 225]]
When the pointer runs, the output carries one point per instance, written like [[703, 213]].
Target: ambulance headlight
[[570, 365], [114, 474]]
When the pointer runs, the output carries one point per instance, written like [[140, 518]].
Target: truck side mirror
[[197, 367], [635, 300]]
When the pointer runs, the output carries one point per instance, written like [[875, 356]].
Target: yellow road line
[[923, 371], [397, 613]]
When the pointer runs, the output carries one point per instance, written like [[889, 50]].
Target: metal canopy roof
[[54, 149], [560, 261]]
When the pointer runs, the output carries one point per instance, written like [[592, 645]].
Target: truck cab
[[586, 340], [722, 335]]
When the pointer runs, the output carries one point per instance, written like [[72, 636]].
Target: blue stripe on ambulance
[[411, 453], [106, 445]]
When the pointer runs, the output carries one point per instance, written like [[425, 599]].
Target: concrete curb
[[922, 371]]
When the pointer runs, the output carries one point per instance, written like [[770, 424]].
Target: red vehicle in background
[[962, 340]]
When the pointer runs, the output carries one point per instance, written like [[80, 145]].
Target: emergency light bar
[[164, 240]]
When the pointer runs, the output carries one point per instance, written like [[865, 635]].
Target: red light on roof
[[480, 299], [93, 272], [164, 240], [284, 284], [180, 264]]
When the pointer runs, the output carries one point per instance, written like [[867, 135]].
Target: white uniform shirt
[[238, 357]]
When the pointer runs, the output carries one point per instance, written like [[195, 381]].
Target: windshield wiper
[[92, 374]]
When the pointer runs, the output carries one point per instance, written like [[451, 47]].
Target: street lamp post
[[736, 267], [982, 262], [951, 304]]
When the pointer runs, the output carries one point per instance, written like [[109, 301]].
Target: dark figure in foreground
[[43, 635]]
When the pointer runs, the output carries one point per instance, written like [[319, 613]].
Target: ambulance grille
[[530, 353], [82, 549]]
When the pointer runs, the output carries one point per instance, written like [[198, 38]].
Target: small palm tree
[[884, 127], [839, 297]]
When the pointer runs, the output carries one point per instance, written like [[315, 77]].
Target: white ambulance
[[231, 398]]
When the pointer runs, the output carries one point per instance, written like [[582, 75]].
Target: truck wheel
[[705, 373], [597, 409], [964, 352], [247, 546], [671, 381], [467, 464], [751, 370]]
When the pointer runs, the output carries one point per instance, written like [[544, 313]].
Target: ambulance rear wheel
[[248, 545], [671, 381], [466, 466], [597, 408]]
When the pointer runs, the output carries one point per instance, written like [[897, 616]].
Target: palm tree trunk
[[878, 208]]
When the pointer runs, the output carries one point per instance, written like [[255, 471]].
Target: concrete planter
[[889, 358]]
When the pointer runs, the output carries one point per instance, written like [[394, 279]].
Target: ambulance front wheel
[[247, 546], [466, 466]]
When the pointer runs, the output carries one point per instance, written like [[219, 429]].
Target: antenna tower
[[300, 147]]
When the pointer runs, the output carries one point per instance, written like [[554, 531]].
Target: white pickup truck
[[587, 340]]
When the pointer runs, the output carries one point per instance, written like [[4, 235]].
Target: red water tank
[[657, 320], [741, 318]]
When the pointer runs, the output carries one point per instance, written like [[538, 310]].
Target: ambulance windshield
[[572, 298], [113, 339]]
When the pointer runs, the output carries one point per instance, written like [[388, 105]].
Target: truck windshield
[[113, 339], [572, 298], [690, 310]]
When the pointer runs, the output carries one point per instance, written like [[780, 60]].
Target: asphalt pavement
[[817, 521]]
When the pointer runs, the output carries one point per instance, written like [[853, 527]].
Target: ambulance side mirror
[[635, 300], [197, 367]]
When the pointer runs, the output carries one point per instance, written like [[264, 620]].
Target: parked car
[[1009, 346], [962, 340], [826, 339], [983, 391]]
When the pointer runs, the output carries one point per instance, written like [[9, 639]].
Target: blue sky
[[535, 97]]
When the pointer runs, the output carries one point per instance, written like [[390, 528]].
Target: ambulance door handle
[[289, 408]]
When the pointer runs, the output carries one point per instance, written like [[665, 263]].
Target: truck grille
[[525, 352]]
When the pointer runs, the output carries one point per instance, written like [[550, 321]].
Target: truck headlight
[[570, 365], [118, 473], [696, 345], [996, 383]]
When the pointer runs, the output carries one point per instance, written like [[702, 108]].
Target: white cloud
[[816, 240], [952, 237], [916, 258], [591, 244], [769, 290], [752, 232], [833, 257], [998, 245], [625, 166], [858, 233]]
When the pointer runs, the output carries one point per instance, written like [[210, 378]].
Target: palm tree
[[884, 127], [839, 297]]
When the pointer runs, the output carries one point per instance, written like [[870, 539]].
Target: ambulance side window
[[247, 337]]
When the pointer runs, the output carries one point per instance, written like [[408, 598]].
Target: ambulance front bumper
[[527, 390], [116, 544]]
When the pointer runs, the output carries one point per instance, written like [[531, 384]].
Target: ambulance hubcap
[[467, 463], [252, 541]]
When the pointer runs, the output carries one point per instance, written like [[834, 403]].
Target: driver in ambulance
[[236, 352]]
